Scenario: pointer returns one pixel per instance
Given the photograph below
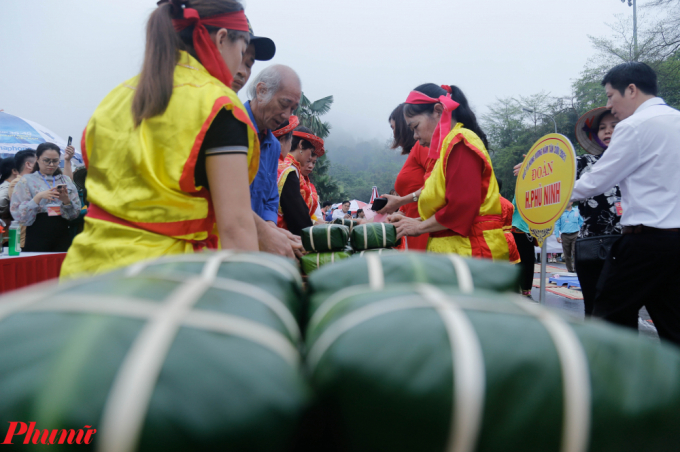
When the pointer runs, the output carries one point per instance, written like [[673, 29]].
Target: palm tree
[[309, 114]]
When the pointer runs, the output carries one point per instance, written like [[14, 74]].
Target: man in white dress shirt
[[644, 159], [343, 212]]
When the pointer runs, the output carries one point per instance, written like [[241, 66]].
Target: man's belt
[[642, 229]]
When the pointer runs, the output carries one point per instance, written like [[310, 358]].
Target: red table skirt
[[23, 271]]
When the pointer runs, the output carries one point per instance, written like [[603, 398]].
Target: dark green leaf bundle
[[431, 369], [351, 224], [325, 237], [195, 352], [314, 261], [383, 270], [374, 235]]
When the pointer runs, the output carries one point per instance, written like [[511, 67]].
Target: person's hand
[[63, 195], [51, 195], [348, 216], [295, 242], [559, 240], [515, 169], [273, 240], [69, 152], [407, 227], [392, 205], [395, 217]]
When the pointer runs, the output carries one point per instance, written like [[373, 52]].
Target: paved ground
[[575, 307]]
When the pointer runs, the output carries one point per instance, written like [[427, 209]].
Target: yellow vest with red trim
[[486, 237], [287, 166], [144, 175]]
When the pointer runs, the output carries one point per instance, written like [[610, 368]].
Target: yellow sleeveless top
[[140, 180], [486, 237]]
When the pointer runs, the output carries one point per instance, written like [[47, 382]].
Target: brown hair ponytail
[[163, 44], [160, 57]]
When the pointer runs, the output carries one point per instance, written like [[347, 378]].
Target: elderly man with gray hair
[[275, 93]]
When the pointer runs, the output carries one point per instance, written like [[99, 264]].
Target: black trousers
[[641, 270], [588, 275], [48, 234], [528, 257]]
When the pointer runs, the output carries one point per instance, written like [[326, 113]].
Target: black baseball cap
[[264, 47]]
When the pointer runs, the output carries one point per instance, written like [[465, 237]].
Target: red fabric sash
[[444, 126], [206, 50], [492, 222], [97, 213]]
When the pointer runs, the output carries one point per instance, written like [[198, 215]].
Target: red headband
[[316, 142], [444, 126], [293, 122], [206, 50]]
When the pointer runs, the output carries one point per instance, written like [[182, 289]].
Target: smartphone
[[378, 204], [69, 141], [61, 187]]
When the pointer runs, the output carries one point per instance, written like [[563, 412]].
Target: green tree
[[309, 113]]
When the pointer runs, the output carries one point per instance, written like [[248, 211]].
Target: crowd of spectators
[[40, 194]]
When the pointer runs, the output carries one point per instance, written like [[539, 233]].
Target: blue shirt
[[264, 193], [570, 222]]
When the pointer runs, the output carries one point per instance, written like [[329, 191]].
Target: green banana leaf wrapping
[[373, 235], [383, 270], [325, 237], [351, 224], [378, 251], [432, 369], [196, 352], [314, 261]]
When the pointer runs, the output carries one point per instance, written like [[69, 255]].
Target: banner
[[544, 184]]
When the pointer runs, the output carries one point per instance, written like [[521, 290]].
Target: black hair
[[632, 73], [287, 136], [326, 204], [500, 184], [360, 211], [301, 141], [6, 167], [402, 135], [42, 148], [462, 114], [21, 157], [345, 202]]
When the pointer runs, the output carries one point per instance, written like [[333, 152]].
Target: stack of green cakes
[[402, 352], [325, 244], [328, 243]]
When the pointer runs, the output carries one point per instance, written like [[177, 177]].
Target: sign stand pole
[[544, 262]]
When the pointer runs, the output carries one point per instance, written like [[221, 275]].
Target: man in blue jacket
[[566, 230], [275, 93]]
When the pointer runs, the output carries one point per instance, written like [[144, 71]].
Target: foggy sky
[[58, 59]]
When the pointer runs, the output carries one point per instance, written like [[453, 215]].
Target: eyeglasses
[[50, 161]]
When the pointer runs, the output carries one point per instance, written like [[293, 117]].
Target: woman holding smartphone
[[45, 201]]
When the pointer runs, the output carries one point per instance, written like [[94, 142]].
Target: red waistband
[[496, 219], [97, 213]]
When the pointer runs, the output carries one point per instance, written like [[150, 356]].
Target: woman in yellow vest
[[460, 204], [171, 152]]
